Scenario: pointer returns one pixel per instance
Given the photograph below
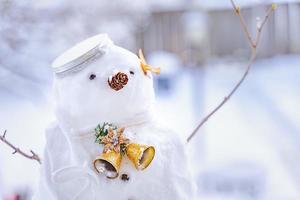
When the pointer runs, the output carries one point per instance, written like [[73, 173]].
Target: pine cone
[[118, 81]]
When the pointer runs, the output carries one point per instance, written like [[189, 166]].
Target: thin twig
[[33, 155], [237, 10], [259, 29], [253, 44]]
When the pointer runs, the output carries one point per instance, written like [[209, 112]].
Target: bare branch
[[259, 29], [33, 155], [253, 45], [4, 134], [237, 10]]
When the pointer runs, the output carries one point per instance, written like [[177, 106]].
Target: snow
[[81, 104], [226, 4], [25, 122], [254, 126], [257, 132], [168, 61]]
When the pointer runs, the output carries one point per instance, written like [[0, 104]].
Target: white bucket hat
[[83, 53]]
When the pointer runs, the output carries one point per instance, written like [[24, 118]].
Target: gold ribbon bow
[[146, 67]]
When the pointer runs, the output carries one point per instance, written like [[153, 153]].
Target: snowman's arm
[[253, 43], [32, 155]]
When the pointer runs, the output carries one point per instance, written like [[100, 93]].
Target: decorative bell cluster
[[115, 147]]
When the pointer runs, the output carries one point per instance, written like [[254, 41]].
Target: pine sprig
[[102, 130]]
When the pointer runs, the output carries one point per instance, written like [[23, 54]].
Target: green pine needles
[[102, 130]]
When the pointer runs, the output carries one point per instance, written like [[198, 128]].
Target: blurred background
[[248, 150]]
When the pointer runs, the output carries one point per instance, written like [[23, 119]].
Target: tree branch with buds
[[253, 43], [32, 156]]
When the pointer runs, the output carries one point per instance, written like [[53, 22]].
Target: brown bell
[[140, 155], [109, 163]]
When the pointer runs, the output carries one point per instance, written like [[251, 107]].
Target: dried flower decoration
[[112, 138]]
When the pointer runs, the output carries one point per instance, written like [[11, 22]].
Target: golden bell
[[108, 163], [140, 155]]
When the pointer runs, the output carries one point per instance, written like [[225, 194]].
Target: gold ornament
[[114, 140], [109, 163], [145, 67], [115, 146], [140, 155]]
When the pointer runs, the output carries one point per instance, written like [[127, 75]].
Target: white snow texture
[[81, 104]]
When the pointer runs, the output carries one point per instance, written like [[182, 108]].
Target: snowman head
[[97, 81]]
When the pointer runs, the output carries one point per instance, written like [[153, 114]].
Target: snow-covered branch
[[32, 156], [253, 43]]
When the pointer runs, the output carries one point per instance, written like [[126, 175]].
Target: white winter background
[[248, 150]]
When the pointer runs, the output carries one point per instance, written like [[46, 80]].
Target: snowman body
[[84, 99]]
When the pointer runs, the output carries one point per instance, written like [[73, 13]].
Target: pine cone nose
[[118, 81]]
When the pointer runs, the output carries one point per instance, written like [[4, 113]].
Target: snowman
[[106, 142]]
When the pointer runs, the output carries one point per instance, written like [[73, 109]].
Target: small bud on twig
[[258, 23], [238, 9]]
